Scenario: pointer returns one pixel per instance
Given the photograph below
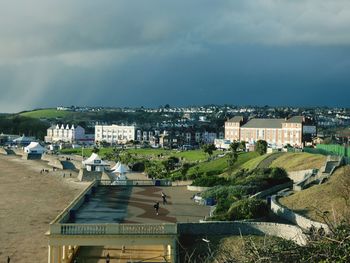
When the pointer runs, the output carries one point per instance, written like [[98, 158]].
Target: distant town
[[174, 127]]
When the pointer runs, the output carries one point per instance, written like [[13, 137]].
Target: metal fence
[[329, 149]]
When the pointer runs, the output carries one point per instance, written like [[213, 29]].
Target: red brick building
[[277, 132]]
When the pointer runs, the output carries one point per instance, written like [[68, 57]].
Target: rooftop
[[134, 204], [264, 123]]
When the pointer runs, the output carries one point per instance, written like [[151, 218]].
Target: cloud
[[86, 52]]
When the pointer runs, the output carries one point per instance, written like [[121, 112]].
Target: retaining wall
[[293, 217], [18, 151], [89, 176], [284, 231], [197, 188], [3, 151], [272, 190], [53, 161], [298, 176]]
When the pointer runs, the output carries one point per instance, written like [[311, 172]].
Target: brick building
[[277, 132]]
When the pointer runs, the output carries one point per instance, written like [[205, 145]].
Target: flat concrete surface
[[127, 204]]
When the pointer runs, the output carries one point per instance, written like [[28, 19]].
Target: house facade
[[63, 133], [115, 133], [276, 132]]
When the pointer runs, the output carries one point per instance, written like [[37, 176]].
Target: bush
[[248, 208], [208, 181], [138, 167]]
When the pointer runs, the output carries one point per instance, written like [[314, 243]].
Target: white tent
[[94, 163], [115, 167], [122, 169], [34, 147]]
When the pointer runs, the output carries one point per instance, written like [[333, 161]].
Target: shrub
[[138, 167], [248, 208], [208, 181]]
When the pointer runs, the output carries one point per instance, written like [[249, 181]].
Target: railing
[[155, 182], [113, 229]]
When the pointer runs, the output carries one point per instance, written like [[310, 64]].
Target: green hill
[[46, 113]]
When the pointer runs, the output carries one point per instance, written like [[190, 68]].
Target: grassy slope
[[323, 197], [299, 161], [46, 113], [253, 163], [219, 166]]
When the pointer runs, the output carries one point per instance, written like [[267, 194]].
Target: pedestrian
[[70, 174], [156, 207], [8, 259], [107, 258], [64, 175], [164, 198]]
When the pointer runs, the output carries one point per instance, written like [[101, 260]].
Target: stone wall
[[293, 217], [89, 176], [272, 190], [3, 151], [197, 188], [298, 176], [284, 231], [53, 160], [18, 151]]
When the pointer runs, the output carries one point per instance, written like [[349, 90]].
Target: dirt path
[[29, 200]]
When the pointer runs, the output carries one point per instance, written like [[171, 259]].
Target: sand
[[29, 201]]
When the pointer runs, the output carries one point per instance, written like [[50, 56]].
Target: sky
[[155, 52]]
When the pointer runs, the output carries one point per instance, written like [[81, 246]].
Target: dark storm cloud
[[179, 52]]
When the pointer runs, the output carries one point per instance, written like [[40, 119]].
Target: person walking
[[164, 198], [156, 207], [108, 258], [8, 259]]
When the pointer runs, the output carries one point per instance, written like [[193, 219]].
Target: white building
[[114, 133], [64, 134]]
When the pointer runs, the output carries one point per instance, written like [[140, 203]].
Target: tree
[[242, 145], [234, 146], [184, 169], [96, 150], [209, 149], [169, 164], [261, 147], [232, 155]]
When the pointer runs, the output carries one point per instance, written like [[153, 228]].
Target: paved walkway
[[125, 204]]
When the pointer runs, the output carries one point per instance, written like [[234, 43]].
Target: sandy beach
[[29, 201]]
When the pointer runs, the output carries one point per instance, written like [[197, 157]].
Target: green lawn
[[46, 113], [243, 158]]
